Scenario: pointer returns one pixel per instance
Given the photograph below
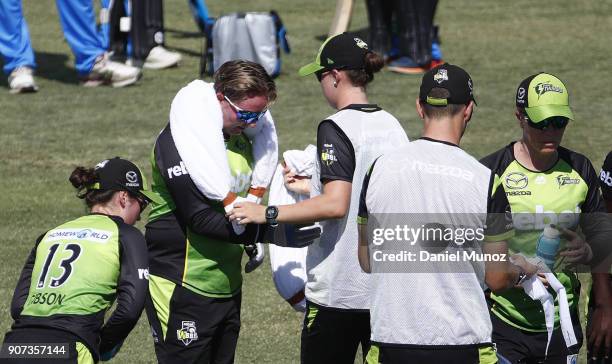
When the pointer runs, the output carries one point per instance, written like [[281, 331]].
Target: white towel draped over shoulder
[[196, 123], [289, 264], [265, 150]]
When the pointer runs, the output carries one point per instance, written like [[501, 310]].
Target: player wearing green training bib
[[77, 270], [545, 184]]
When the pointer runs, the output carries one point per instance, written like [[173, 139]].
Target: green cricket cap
[[342, 51], [543, 96]]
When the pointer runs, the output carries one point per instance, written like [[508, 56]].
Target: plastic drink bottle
[[548, 244]]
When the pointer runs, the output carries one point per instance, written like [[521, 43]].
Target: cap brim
[[539, 113], [152, 196], [310, 69]]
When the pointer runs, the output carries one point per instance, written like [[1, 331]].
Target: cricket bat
[[342, 17]]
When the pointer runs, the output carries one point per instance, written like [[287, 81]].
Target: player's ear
[[337, 75], [519, 116], [119, 199], [220, 96], [468, 111], [419, 108]]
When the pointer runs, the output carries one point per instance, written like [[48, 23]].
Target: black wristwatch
[[521, 277], [271, 215]]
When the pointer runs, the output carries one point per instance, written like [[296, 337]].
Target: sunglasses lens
[[558, 122], [246, 117], [249, 117]]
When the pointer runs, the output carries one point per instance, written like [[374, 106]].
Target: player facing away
[[424, 310]]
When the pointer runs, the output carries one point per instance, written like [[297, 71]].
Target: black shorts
[[381, 353], [517, 346], [191, 328], [332, 335], [77, 352]]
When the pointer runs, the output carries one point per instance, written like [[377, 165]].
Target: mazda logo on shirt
[[516, 181]]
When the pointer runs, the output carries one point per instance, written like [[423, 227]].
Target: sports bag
[[256, 37]]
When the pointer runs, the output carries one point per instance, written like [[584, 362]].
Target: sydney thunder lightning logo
[[544, 87]]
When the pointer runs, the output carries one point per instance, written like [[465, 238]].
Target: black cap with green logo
[[342, 51], [543, 96], [118, 174], [454, 79]]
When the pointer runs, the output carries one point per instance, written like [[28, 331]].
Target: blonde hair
[[242, 79]]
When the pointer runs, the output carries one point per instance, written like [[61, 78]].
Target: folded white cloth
[[196, 123], [302, 162], [289, 264], [535, 289]]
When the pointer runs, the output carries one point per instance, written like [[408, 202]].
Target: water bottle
[[548, 244]]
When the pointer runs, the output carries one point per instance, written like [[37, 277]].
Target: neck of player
[[449, 130], [349, 95], [532, 158]]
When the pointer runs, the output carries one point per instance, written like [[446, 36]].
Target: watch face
[[271, 212]]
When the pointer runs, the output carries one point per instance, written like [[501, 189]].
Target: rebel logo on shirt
[[606, 177], [143, 273], [177, 171]]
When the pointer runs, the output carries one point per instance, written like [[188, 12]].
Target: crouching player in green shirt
[[77, 270]]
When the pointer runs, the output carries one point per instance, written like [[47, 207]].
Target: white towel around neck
[[196, 123]]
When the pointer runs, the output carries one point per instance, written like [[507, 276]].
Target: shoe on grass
[[160, 58], [405, 65], [107, 72], [21, 80]]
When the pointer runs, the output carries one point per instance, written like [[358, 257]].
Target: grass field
[[44, 135]]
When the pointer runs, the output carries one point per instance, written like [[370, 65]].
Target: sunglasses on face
[[142, 202], [557, 122], [245, 116]]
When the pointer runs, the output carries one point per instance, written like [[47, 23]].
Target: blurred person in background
[[78, 22], [403, 31], [142, 44]]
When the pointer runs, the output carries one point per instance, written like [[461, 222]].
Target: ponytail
[[83, 179]]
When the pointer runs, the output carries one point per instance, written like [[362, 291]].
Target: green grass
[[44, 135]]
